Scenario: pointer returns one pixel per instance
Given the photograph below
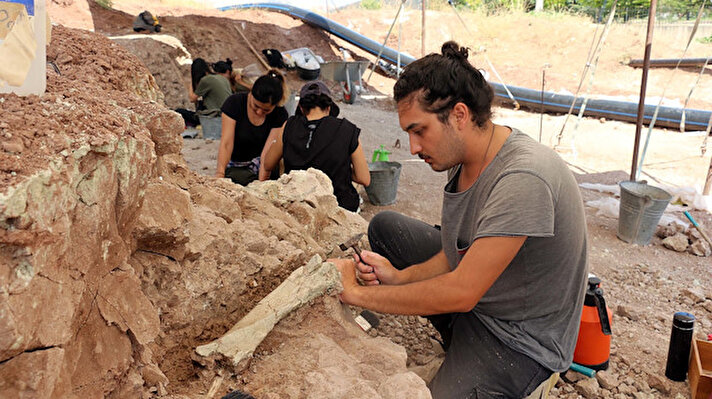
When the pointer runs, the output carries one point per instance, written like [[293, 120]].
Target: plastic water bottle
[[36, 80]]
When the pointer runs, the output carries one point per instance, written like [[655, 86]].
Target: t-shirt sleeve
[[353, 144], [203, 87], [520, 204], [231, 106]]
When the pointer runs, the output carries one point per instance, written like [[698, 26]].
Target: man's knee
[[380, 222]]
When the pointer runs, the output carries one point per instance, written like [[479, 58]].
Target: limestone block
[[31, 374], [122, 303], [304, 284], [311, 186], [161, 225], [166, 128]]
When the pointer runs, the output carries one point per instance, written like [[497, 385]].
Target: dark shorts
[[477, 364]]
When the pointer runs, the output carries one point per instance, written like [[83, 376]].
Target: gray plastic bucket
[[640, 211], [384, 182], [212, 126]]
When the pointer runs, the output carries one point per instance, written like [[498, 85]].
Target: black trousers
[[477, 364]]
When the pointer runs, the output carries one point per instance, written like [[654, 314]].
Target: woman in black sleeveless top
[[316, 138]]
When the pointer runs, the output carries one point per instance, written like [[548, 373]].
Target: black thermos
[[678, 359]]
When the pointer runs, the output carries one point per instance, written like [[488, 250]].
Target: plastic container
[[380, 154], [640, 211], [36, 79], [593, 346], [384, 182]]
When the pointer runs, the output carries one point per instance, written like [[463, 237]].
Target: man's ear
[[461, 114]]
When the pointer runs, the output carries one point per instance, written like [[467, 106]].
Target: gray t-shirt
[[535, 305]]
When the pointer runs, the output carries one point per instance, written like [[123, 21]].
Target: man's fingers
[[364, 268]]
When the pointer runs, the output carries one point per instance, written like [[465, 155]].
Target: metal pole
[[383, 46], [643, 85], [400, 34], [422, 31]]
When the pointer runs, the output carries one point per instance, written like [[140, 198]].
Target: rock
[[670, 230], [627, 312], [694, 294], [13, 145], [31, 374], [700, 248], [626, 389], [678, 242], [122, 303], [606, 380], [165, 128], [153, 376], [641, 385], [660, 383], [572, 376], [160, 231], [588, 388]]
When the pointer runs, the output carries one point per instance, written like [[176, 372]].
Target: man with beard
[[504, 279]]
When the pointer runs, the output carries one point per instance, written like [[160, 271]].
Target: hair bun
[[453, 50], [228, 61]]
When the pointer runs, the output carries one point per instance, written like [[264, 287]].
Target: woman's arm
[[359, 167], [227, 142], [271, 153]]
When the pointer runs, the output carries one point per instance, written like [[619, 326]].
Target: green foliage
[[371, 4], [706, 40], [104, 3]]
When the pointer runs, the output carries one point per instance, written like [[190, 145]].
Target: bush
[[371, 4], [104, 3]]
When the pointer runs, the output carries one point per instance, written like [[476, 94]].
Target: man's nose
[[414, 145]]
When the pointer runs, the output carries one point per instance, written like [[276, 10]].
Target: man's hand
[[374, 269], [348, 278]]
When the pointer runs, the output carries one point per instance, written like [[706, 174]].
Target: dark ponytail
[[440, 81], [198, 69], [223, 66], [270, 88]]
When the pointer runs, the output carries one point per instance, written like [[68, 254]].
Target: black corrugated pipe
[[695, 119]]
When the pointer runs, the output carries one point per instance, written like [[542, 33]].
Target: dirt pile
[[117, 261]]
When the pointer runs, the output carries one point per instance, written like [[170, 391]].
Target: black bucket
[[384, 182]]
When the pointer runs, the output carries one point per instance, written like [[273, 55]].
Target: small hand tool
[[697, 226], [353, 243]]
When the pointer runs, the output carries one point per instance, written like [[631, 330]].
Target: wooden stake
[[422, 34], [259, 57], [708, 181], [643, 84]]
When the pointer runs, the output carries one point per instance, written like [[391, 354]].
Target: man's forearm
[[432, 267]]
